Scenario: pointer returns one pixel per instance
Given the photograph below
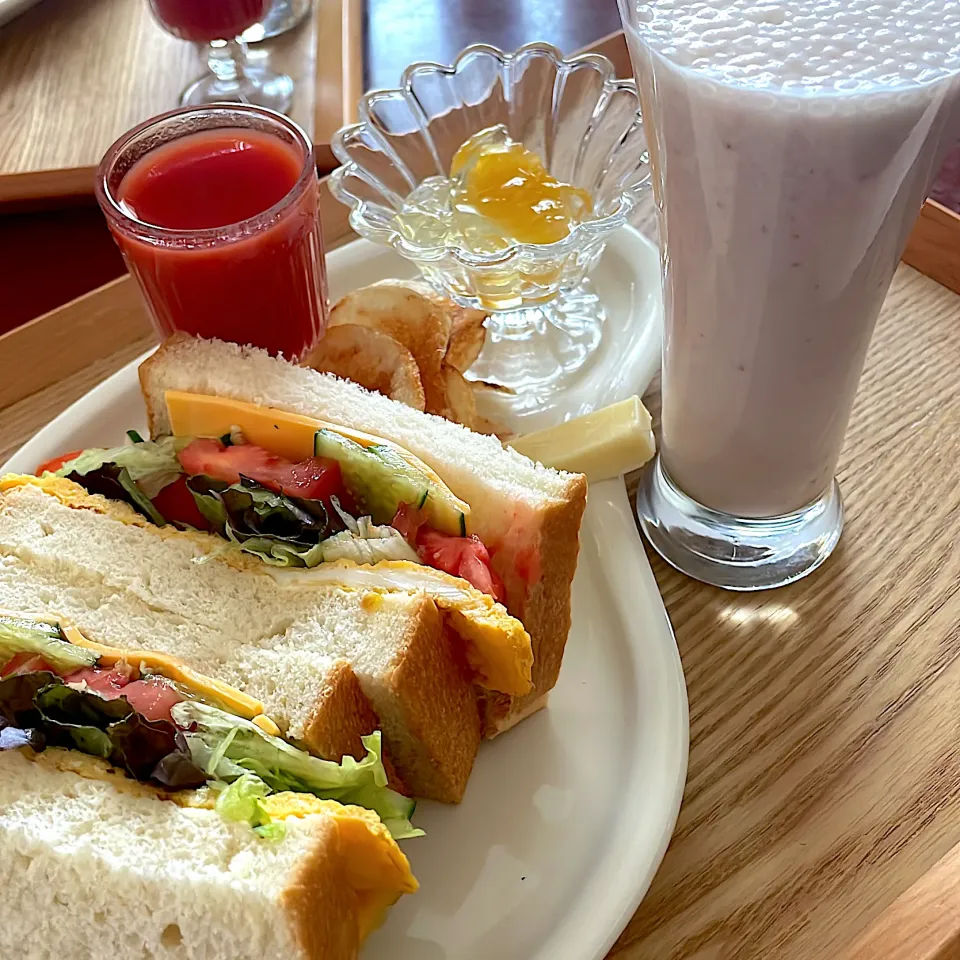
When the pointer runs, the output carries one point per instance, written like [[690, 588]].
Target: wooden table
[[75, 76], [824, 770]]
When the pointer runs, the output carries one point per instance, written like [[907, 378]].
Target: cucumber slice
[[380, 479], [44, 639]]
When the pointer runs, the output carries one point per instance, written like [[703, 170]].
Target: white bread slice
[[329, 664], [92, 869], [529, 514]]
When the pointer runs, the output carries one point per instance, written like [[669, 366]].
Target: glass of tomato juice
[[216, 212]]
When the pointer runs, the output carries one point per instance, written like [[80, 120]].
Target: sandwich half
[[481, 511], [148, 810], [332, 653], [94, 865]]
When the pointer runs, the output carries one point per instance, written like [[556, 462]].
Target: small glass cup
[[545, 321], [784, 207], [260, 280], [219, 25]]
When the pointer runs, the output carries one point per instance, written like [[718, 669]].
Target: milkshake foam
[[808, 46]]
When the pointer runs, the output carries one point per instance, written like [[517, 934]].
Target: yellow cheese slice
[[289, 435], [173, 669], [603, 444]]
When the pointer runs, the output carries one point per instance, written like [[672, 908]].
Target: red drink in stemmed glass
[[219, 24], [202, 21]]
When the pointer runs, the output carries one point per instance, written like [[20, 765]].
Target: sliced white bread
[[329, 664], [528, 514], [95, 868]]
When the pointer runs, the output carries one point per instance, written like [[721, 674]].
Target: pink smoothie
[[794, 144]]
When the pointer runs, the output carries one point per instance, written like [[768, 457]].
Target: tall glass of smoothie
[[792, 144], [216, 212]]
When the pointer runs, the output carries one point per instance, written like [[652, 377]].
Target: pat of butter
[[603, 444]]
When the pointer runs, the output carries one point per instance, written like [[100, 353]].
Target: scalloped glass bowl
[[545, 319]]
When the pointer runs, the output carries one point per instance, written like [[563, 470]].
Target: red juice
[[202, 21], [246, 260]]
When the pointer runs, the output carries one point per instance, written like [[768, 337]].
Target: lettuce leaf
[[150, 464], [281, 530], [290, 532], [177, 771], [242, 801], [111, 729], [228, 747], [17, 695], [116, 483], [370, 543]]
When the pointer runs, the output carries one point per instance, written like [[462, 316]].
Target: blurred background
[[54, 74]]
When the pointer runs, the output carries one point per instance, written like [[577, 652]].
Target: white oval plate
[[567, 816]]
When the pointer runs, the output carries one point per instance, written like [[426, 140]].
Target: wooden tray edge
[[57, 344], [934, 245], [339, 72], [46, 184]]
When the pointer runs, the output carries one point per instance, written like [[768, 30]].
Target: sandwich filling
[[293, 490], [166, 725]]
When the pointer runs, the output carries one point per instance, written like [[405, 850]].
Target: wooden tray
[[779, 889], [76, 75], [75, 337]]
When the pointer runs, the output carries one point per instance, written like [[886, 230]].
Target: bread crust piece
[[341, 716], [545, 611], [431, 688], [319, 903]]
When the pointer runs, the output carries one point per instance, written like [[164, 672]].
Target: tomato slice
[[57, 462], [315, 478], [176, 505], [152, 698], [109, 684], [408, 520], [465, 557], [22, 663]]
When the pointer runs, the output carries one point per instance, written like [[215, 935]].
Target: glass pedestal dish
[[545, 318]]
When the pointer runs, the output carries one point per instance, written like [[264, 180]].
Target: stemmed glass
[[219, 24], [279, 17]]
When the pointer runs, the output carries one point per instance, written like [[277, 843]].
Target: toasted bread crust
[[546, 611], [341, 715], [432, 685], [320, 904]]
